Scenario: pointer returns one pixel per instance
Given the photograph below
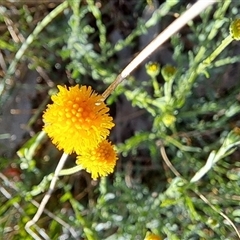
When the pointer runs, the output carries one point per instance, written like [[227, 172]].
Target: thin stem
[[188, 15], [221, 213], [113, 86], [48, 194], [70, 171], [156, 87], [166, 159], [218, 50]]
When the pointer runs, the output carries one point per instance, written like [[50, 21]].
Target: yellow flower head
[[77, 119], [235, 29], [99, 161]]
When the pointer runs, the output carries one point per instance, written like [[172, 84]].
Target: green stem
[[70, 171], [156, 87], [168, 89], [217, 51]]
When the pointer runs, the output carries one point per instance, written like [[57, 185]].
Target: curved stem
[[48, 194], [70, 171]]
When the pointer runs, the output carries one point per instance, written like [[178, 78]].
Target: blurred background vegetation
[[169, 124]]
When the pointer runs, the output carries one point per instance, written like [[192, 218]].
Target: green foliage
[[178, 175]]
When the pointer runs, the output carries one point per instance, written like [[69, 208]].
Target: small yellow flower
[[235, 29], [77, 119], [99, 161], [153, 69], [169, 119]]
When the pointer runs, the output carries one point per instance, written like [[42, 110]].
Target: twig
[[166, 160], [221, 213], [48, 194]]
